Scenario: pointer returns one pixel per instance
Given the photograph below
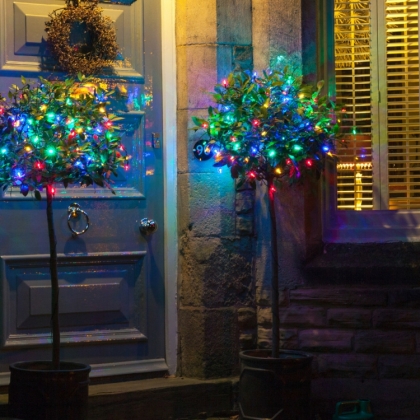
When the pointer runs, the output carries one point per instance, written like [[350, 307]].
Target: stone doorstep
[[158, 399]]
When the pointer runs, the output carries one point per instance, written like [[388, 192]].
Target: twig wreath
[[99, 48]]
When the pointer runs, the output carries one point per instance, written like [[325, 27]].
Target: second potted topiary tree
[[270, 130]]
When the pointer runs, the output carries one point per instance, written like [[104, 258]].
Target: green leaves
[[58, 131], [269, 126]]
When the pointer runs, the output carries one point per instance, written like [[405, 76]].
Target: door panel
[[111, 277], [23, 36]]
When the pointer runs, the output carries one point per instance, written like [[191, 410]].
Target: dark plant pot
[[275, 388], [38, 392]]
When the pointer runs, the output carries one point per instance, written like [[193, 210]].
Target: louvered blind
[[402, 74], [352, 36]]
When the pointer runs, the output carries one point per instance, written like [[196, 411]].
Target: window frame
[[377, 225]]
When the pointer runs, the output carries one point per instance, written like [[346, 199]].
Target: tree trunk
[[55, 327], [275, 270]]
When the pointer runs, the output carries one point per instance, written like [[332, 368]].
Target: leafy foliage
[[58, 131], [269, 127]]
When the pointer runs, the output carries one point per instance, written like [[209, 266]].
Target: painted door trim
[[170, 180]]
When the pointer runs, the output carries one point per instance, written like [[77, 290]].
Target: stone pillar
[[215, 224], [276, 31], [280, 28]]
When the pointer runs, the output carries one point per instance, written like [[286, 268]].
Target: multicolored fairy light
[[48, 140], [277, 126]]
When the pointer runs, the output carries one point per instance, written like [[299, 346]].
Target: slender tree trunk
[[275, 271], [55, 327]]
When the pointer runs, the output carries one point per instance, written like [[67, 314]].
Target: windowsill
[[372, 226]]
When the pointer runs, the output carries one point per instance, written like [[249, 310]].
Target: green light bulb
[[297, 148], [272, 153], [51, 151]]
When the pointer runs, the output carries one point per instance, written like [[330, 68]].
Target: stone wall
[[215, 224]]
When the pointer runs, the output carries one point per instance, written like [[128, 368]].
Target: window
[[373, 69], [377, 80]]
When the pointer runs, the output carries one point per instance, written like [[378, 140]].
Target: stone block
[[409, 298], [347, 366], [303, 316], [206, 206], [289, 262], [262, 296], [208, 342], [183, 195], [229, 11], [196, 22], [247, 318], [289, 339], [384, 342], [264, 338], [401, 367], [396, 318], [225, 62], [264, 317], [309, 41], [196, 75], [245, 224], [260, 35], [215, 272], [326, 340], [242, 57], [340, 296], [349, 318], [244, 202], [191, 330]]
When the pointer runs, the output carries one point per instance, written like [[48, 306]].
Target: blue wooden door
[[111, 277]]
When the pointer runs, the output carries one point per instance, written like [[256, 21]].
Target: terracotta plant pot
[[38, 392], [275, 388]]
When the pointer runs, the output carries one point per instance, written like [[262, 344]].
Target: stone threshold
[[168, 398]]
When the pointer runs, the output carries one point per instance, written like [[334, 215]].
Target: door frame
[[170, 183]]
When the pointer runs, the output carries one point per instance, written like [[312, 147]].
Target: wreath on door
[[81, 39]]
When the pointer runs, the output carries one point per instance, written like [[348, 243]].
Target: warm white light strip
[[351, 166]]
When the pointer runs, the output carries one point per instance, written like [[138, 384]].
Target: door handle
[[148, 226], [73, 212]]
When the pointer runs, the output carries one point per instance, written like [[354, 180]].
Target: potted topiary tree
[[270, 130], [55, 132]]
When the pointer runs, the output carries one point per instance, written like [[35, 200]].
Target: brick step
[[368, 264]]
